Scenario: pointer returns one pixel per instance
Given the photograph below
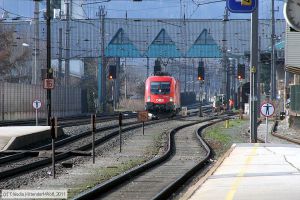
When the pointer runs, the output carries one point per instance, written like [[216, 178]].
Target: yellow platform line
[[240, 175]]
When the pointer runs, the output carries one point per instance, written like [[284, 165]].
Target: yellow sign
[[143, 116], [246, 2], [253, 69]]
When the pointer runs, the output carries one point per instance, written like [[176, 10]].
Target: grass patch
[[221, 138], [104, 173], [156, 145]]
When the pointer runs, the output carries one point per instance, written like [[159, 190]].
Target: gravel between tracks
[[109, 162], [284, 130], [46, 172]]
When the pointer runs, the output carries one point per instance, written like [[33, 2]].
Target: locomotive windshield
[[160, 87]]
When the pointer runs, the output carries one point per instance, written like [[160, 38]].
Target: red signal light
[[110, 77]]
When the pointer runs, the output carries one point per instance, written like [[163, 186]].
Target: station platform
[[252, 171], [16, 137]]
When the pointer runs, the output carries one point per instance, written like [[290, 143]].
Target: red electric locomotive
[[162, 94]]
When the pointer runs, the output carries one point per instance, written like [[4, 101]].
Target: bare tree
[[12, 57]]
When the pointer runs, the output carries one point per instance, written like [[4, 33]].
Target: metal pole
[[200, 100], [53, 145], [253, 79], [53, 157], [147, 66], [60, 56], [113, 93], [67, 61], [273, 60], [48, 61], [103, 71], [120, 130], [224, 59], [185, 71], [36, 117], [3, 104], [194, 76], [258, 75], [125, 71], [93, 135], [266, 136], [143, 128], [241, 99], [36, 41], [285, 91], [228, 89]]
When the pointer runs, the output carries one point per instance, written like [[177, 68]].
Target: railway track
[[159, 178], [17, 164], [67, 121], [280, 136]]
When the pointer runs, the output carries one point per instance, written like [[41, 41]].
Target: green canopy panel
[[204, 51], [163, 51], [122, 50]]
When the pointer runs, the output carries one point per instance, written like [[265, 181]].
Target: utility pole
[[194, 70], [147, 55], [102, 69], [258, 71], [125, 72], [226, 78], [59, 56], [67, 61], [48, 21], [273, 60], [185, 62], [35, 70], [253, 75]]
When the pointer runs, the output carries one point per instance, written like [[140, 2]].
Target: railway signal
[[157, 67], [201, 71], [112, 72], [241, 71]]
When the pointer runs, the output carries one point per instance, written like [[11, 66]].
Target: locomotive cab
[[161, 94]]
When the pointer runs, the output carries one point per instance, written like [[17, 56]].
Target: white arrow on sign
[[267, 109], [37, 104]]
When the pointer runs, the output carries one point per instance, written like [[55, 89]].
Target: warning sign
[[143, 116]]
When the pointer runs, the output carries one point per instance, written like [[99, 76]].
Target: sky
[[193, 9]]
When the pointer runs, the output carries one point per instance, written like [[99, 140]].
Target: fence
[[16, 101]]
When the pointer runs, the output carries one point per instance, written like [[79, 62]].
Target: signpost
[[241, 6], [143, 117], [250, 6], [37, 104], [120, 130], [48, 83], [267, 110], [93, 122]]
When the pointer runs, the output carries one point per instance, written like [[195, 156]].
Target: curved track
[[10, 168], [160, 177]]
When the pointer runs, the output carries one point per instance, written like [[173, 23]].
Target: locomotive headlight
[[171, 99], [148, 99]]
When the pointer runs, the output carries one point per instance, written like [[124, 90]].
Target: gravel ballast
[[136, 149]]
